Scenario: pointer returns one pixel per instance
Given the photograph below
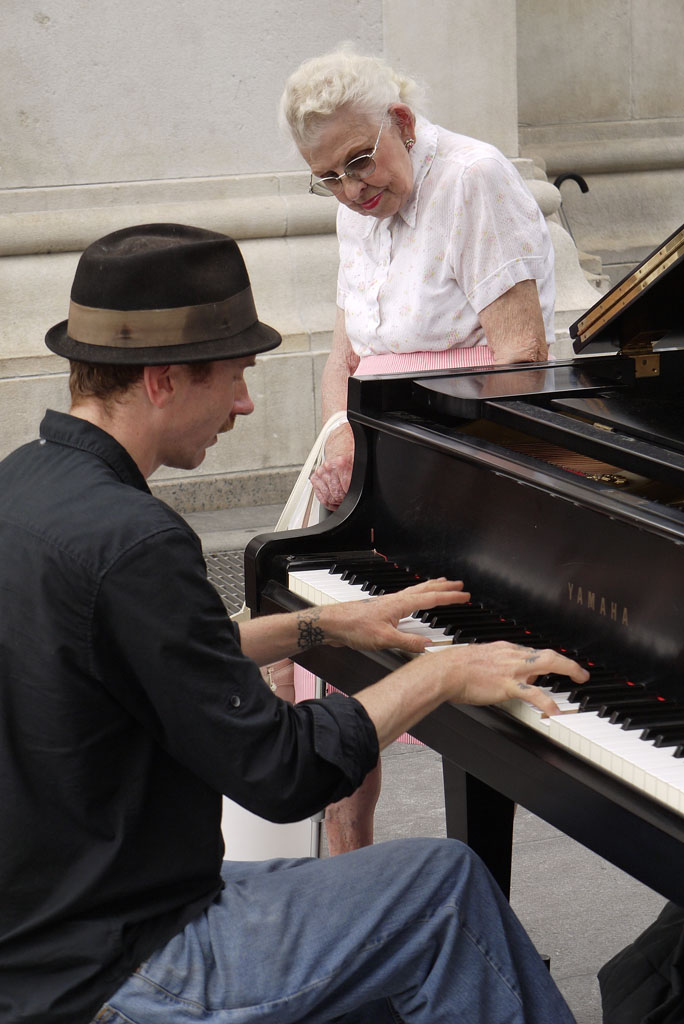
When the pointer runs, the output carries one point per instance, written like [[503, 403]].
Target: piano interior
[[607, 474]]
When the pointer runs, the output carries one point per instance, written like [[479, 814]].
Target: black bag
[[644, 983]]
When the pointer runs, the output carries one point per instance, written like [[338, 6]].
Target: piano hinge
[[640, 350], [647, 365]]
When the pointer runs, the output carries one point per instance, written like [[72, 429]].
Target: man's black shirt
[[126, 710]]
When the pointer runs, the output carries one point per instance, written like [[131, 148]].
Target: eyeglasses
[[360, 167]]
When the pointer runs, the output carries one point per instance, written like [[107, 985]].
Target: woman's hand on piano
[[372, 625], [330, 481], [496, 672]]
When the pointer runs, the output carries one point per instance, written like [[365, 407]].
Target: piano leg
[[481, 817]]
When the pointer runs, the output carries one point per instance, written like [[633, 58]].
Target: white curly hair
[[323, 85]]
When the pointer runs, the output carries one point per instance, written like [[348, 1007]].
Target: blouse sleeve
[[499, 237]]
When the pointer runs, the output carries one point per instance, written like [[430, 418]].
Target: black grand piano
[[556, 492]]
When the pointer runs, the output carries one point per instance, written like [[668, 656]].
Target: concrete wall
[[466, 55], [99, 92], [601, 93]]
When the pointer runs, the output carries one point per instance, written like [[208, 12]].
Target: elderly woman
[[445, 261]]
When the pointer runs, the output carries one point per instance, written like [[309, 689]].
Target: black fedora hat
[[161, 293]]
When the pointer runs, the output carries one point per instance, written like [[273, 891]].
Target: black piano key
[[617, 688], [534, 639], [367, 579], [353, 576], [557, 684], [664, 714], [365, 575], [370, 562], [613, 686], [396, 583], [425, 614], [657, 732], [378, 589], [616, 703], [455, 628], [600, 674], [511, 634], [477, 622], [494, 626], [390, 587], [609, 684], [474, 622], [327, 562], [384, 569], [343, 568], [353, 573], [465, 615], [663, 742], [593, 695], [470, 608], [540, 643], [653, 709]]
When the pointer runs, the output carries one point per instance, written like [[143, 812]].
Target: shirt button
[[235, 701]]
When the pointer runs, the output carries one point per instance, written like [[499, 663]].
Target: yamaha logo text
[[599, 604]]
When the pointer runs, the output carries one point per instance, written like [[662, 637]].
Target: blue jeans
[[414, 930]]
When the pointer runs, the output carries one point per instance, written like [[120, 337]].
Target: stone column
[[466, 55]]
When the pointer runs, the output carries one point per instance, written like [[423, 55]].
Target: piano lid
[[643, 314], [466, 394]]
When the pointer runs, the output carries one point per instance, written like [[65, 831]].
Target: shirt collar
[[422, 155], [60, 428]]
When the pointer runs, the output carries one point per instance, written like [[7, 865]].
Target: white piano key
[[423, 629], [638, 763], [321, 587]]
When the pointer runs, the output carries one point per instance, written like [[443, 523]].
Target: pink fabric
[[414, 362]]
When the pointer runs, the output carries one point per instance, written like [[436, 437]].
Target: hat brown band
[[156, 328]]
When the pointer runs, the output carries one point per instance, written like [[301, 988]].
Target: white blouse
[[469, 232]]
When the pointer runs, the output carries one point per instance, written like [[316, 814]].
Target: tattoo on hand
[[524, 686], [532, 658], [310, 635]]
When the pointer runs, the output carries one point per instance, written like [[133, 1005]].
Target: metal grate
[[226, 571]]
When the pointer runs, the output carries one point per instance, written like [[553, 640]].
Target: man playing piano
[[131, 702]]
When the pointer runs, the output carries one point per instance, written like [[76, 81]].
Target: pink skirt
[[407, 362]]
